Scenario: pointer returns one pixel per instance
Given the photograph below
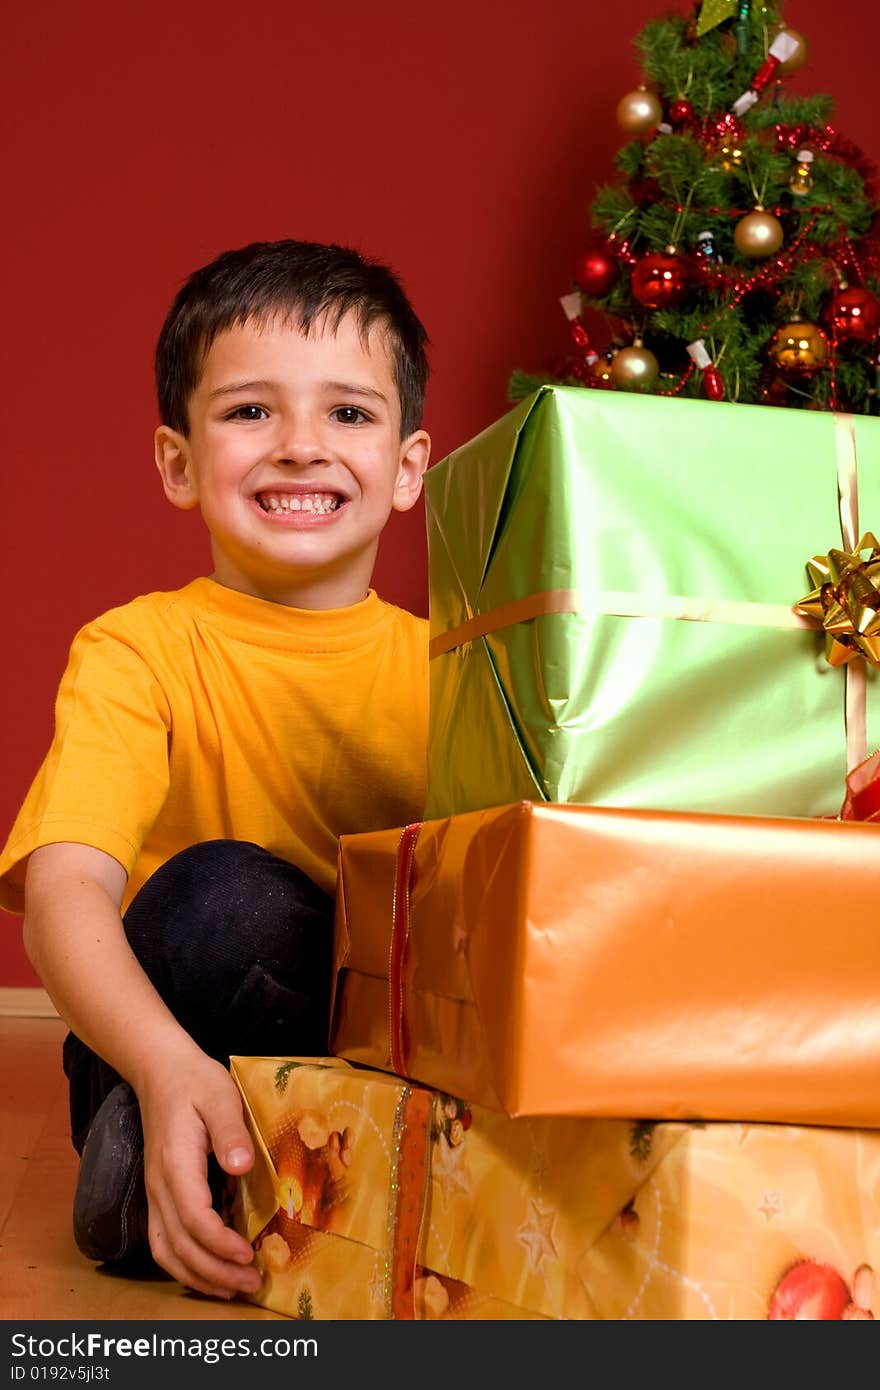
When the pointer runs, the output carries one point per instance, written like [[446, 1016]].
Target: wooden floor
[[42, 1274]]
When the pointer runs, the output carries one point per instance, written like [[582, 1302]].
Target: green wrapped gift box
[[612, 579]]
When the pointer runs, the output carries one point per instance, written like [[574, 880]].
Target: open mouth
[[281, 503]]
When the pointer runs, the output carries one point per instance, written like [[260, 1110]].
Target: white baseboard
[[26, 1003]]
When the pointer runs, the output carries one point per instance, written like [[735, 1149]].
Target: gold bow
[[846, 601]]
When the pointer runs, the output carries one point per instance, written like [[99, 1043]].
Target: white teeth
[[320, 502]]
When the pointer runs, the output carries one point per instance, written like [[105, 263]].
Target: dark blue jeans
[[238, 944]]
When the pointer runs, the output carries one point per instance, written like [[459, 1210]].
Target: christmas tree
[[737, 254]]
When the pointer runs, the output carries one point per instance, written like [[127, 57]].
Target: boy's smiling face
[[295, 458]]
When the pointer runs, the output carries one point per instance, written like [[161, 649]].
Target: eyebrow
[[351, 388], [348, 388], [236, 386]]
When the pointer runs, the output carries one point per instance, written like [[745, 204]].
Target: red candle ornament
[[711, 383], [782, 49], [713, 386], [798, 55], [571, 307]]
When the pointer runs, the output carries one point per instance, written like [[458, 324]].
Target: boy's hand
[[186, 1113], [189, 1104]]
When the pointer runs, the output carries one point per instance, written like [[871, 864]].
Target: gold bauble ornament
[[634, 368], [639, 111], [798, 57], [799, 348], [758, 234]]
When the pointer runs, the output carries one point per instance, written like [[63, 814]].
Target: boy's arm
[[75, 939]]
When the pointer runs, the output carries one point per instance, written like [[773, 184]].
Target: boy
[[175, 856]]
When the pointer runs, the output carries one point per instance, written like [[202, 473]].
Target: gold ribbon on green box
[[845, 599], [564, 539]]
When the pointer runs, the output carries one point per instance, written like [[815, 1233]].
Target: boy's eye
[[349, 415], [248, 412]]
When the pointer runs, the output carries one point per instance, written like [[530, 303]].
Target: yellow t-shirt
[[207, 714]]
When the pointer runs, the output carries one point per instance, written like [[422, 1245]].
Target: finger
[[208, 1229], [184, 1197], [186, 1260], [196, 1267], [227, 1133]]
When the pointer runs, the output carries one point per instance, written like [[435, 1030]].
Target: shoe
[[110, 1204]]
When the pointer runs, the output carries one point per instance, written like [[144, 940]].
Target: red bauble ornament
[[853, 314], [809, 1292], [595, 272], [659, 280], [680, 112]]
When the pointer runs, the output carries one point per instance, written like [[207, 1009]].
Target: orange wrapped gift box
[[542, 959], [371, 1198]]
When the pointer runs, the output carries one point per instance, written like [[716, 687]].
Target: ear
[[415, 455], [174, 462]]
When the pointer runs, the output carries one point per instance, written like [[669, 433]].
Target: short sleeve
[[105, 777]]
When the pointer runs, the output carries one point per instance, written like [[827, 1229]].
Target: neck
[[298, 590]]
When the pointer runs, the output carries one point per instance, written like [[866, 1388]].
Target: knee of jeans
[[214, 908], [218, 872], [208, 857]]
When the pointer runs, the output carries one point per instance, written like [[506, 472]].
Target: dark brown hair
[[299, 280]]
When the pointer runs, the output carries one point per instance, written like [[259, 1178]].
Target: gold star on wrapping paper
[[715, 12], [770, 1205], [449, 1169], [536, 1235], [376, 1286]]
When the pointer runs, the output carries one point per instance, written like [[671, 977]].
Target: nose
[[300, 439]]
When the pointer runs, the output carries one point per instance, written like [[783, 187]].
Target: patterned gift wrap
[[576, 960], [372, 1199], [612, 580]]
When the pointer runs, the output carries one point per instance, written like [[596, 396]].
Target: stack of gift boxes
[[605, 1035]]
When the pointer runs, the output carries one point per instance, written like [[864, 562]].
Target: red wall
[[458, 142]]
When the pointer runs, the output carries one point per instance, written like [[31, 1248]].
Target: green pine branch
[[705, 176]]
